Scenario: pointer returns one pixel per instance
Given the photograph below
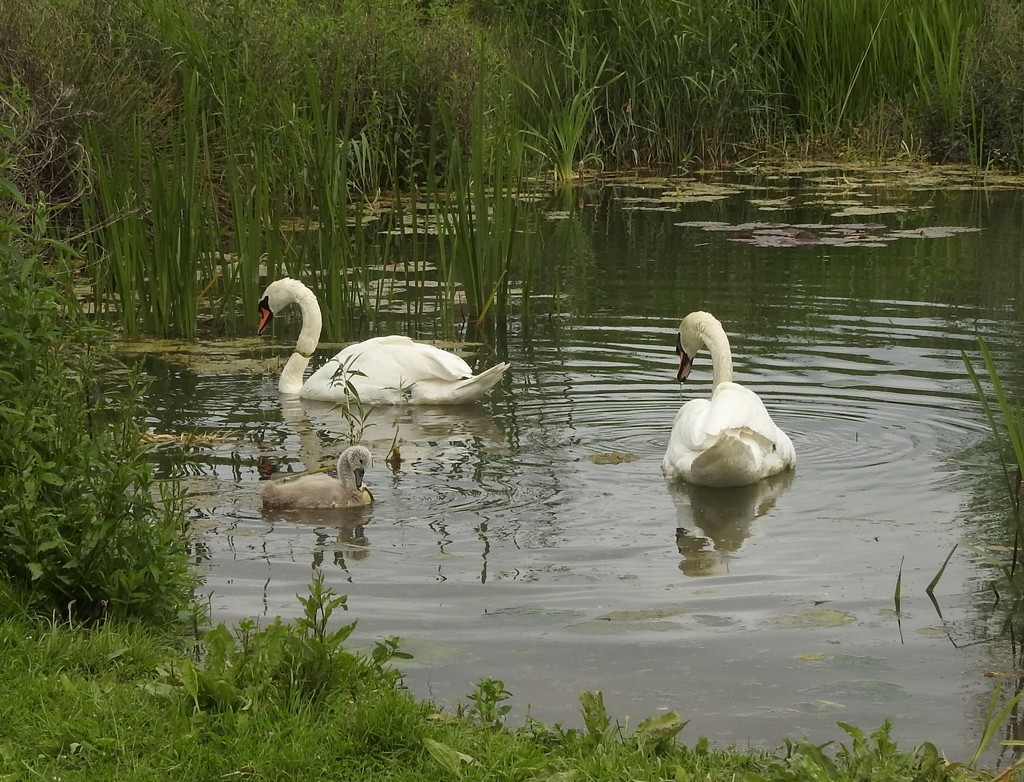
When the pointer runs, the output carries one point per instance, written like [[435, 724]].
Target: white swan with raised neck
[[382, 370], [729, 439], [322, 491]]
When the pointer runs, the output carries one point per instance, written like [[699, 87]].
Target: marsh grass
[[664, 81], [565, 135], [213, 131], [842, 63], [479, 213], [154, 243]]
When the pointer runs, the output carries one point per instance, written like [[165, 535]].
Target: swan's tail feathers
[[472, 388]]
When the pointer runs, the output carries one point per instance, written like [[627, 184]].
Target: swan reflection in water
[[713, 523], [416, 429]]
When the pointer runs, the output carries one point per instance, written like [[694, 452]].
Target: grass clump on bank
[[290, 702]]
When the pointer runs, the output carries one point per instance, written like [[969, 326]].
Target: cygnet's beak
[[359, 472], [685, 362], [265, 316]]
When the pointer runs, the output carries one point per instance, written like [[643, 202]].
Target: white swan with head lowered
[[383, 370], [728, 440], [322, 491]]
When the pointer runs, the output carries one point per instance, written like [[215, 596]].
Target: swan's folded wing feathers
[[735, 407], [690, 427], [408, 361]]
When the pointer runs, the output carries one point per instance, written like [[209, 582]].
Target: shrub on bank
[[82, 533]]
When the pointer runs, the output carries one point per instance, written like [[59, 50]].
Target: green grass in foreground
[[288, 702]]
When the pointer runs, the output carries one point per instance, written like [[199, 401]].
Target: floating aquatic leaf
[[857, 211], [787, 236], [707, 225], [834, 234], [814, 618], [846, 660], [786, 202], [932, 232], [620, 628], [825, 201], [644, 614], [532, 615], [814, 657], [875, 690], [614, 457], [714, 620]]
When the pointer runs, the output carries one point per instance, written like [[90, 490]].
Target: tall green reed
[[676, 78], [152, 248], [942, 37], [566, 100], [1006, 421], [479, 213], [839, 63]]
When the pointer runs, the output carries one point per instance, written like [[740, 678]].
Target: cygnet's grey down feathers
[[322, 491]]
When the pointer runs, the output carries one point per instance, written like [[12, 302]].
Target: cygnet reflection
[[340, 533]]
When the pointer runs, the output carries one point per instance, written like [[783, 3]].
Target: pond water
[[532, 538]]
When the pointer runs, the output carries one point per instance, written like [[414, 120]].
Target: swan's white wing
[[416, 361], [736, 407], [727, 441], [396, 369]]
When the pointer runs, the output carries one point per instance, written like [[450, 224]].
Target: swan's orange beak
[[265, 317], [685, 362]]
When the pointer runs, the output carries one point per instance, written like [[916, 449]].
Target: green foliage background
[[184, 140], [85, 531]]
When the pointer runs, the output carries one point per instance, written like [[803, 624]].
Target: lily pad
[[846, 661], [620, 628], [644, 614], [814, 618], [857, 211], [614, 457], [862, 234], [714, 620], [932, 232], [875, 690], [532, 615]]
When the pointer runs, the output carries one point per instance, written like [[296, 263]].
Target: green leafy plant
[[86, 529], [284, 665], [595, 717], [873, 756], [488, 699], [566, 135], [351, 407]]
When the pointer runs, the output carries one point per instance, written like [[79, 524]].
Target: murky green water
[[502, 547]]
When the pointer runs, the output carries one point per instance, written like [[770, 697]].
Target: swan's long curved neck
[[716, 341], [347, 473], [309, 336]]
